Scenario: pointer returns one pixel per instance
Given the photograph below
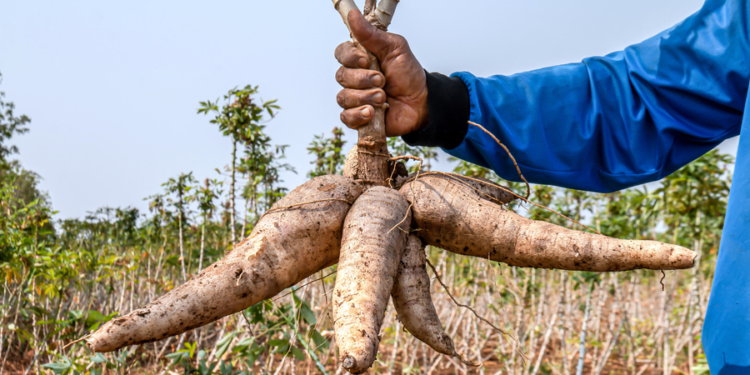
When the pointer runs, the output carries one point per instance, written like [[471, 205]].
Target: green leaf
[[283, 349], [98, 358], [307, 314], [243, 344], [311, 352], [95, 319], [226, 368], [278, 342], [318, 339], [223, 344], [298, 353], [95, 315], [60, 367], [254, 354], [57, 366], [178, 355], [191, 348]]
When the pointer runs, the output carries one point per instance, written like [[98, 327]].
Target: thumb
[[369, 36]]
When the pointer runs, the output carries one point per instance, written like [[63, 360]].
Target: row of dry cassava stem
[[334, 219]]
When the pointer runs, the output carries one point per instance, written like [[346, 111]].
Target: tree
[[695, 197], [261, 165], [328, 156], [10, 125], [206, 196], [239, 120], [180, 189], [26, 182], [427, 154]]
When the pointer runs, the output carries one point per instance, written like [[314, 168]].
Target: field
[[63, 278]]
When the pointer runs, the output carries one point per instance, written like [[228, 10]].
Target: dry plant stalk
[[382, 16], [369, 6], [373, 155]]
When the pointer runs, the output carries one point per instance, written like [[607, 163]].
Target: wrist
[[443, 121], [423, 119]]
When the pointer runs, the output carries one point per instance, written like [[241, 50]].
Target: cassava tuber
[[373, 241], [485, 188], [286, 246], [454, 217], [413, 302]]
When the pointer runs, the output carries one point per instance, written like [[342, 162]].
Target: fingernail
[[362, 62], [376, 80], [365, 112], [378, 98]]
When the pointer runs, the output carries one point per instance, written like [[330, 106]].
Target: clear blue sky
[[112, 87]]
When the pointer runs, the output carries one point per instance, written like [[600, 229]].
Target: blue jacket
[[625, 119]]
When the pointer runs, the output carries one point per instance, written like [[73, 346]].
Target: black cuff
[[449, 106]]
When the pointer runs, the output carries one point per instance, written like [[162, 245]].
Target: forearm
[[609, 122]]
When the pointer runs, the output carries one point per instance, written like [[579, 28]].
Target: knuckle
[[340, 75], [345, 56], [360, 96], [338, 52], [361, 77], [361, 53], [354, 60], [399, 45], [348, 120]]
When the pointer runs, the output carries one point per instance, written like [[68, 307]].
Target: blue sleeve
[[620, 120]]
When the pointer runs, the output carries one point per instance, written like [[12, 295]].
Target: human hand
[[403, 84]]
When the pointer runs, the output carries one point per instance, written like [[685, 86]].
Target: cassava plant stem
[[382, 16], [180, 223], [611, 344], [373, 162], [582, 349], [369, 6], [231, 193]]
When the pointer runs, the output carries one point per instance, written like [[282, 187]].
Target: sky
[[112, 87]]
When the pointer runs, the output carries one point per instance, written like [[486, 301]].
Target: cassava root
[[285, 247], [373, 241], [413, 302], [456, 218], [487, 189]]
